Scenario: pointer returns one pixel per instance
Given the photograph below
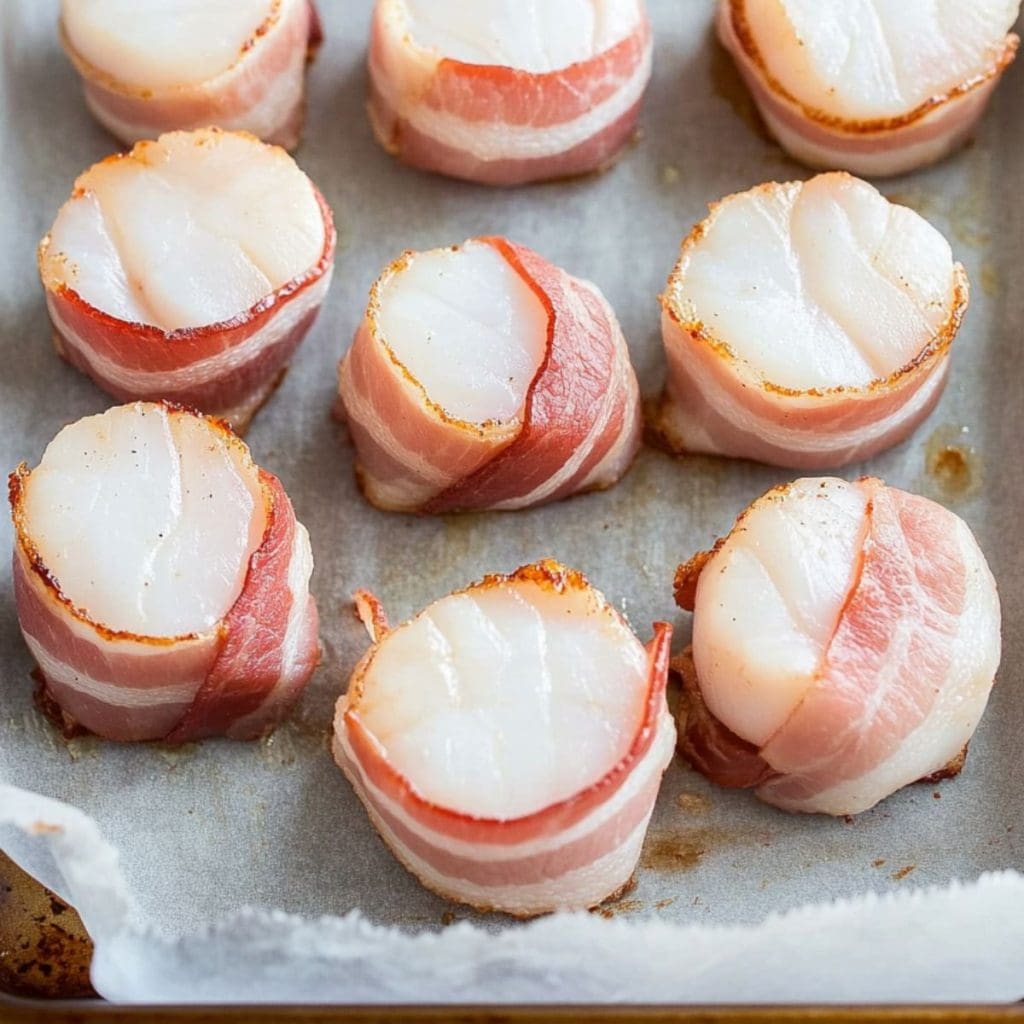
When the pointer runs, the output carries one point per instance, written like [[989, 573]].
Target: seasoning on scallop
[[159, 65], [845, 640], [161, 579], [504, 93], [872, 86], [189, 270], [509, 741], [807, 325], [484, 377]]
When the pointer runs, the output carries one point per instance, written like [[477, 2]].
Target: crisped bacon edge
[[733, 25], [372, 757]]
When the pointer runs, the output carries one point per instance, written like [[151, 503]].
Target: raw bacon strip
[[509, 741], [189, 269], [870, 86], [484, 377], [807, 325], [502, 94], [158, 66], [161, 579], [845, 640]]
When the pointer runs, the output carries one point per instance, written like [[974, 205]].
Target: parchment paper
[[206, 829]]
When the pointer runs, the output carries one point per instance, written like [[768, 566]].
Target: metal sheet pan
[[274, 823]]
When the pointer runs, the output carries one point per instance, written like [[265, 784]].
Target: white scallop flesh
[[467, 326], [530, 35], [818, 284], [160, 44], [869, 59], [187, 231], [146, 518], [768, 602], [502, 700]]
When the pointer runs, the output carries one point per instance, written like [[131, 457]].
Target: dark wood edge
[[19, 1011]]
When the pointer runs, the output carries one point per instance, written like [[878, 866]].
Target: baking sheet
[[207, 828]]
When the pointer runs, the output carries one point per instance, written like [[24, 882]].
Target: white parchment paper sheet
[[207, 829]]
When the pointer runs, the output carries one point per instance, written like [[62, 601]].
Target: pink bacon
[[894, 663]]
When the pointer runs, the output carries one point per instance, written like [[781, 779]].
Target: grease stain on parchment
[[953, 469]]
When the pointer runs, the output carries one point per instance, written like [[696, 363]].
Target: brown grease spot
[[676, 851], [990, 278], [898, 876], [693, 803], [879, 863], [952, 464], [616, 907]]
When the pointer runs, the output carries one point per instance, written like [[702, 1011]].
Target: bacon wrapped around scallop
[[485, 377], [189, 269], [505, 93], [161, 579], [876, 87], [509, 741], [807, 325], [153, 66]]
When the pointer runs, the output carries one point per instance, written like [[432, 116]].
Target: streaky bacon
[[571, 854], [874, 148], [263, 92], [580, 430], [227, 369], [528, 126], [238, 679]]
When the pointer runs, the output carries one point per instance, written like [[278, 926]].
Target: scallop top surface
[[815, 284], [160, 44], [869, 59], [504, 699], [770, 599], [146, 518], [186, 231], [467, 326], [533, 35]]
